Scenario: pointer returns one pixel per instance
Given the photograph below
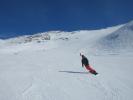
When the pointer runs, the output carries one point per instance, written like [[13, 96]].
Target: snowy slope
[[51, 69], [121, 39]]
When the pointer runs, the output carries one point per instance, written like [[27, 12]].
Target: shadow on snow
[[74, 72]]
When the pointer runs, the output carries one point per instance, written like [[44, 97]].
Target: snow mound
[[118, 40]]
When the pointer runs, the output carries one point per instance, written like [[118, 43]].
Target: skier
[[85, 63]]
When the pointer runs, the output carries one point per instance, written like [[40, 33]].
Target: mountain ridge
[[122, 38]]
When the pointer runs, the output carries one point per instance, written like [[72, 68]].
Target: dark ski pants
[[88, 67]]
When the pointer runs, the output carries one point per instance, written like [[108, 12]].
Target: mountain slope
[[120, 39], [51, 69]]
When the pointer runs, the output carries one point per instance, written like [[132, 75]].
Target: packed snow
[[50, 69]]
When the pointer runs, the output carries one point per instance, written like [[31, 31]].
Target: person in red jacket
[[85, 63]]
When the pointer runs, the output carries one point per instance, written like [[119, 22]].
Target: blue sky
[[18, 17]]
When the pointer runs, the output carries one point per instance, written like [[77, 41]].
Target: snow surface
[[51, 69], [120, 39]]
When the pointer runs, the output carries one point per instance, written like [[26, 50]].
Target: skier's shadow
[[74, 72]]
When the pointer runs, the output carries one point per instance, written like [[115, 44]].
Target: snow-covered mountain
[[47, 66], [121, 39], [30, 38]]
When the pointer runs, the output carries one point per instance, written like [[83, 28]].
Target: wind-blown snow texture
[[51, 69], [120, 39]]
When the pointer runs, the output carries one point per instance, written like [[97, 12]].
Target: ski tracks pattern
[[109, 91], [105, 88]]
